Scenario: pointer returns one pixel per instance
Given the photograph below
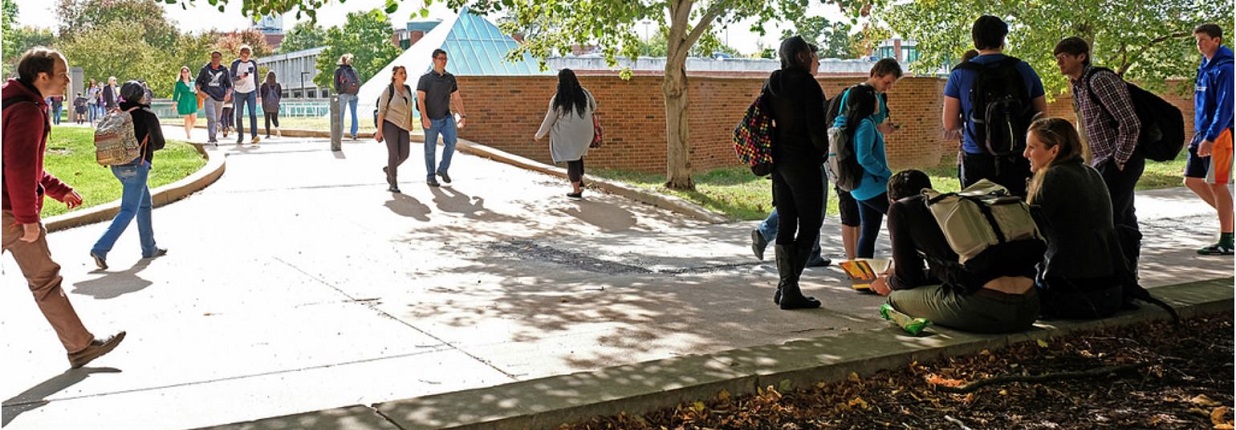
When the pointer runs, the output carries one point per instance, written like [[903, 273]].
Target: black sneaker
[[1216, 249], [99, 261], [445, 177], [433, 182]]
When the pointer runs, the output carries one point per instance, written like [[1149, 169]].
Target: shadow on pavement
[[36, 396], [408, 206], [608, 217], [115, 284]]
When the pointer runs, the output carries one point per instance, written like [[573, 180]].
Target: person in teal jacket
[[185, 97], [859, 119]]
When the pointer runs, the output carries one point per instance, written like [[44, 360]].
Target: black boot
[[789, 267]]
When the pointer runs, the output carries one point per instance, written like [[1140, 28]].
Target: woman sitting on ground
[[998, 299], [1081, 271]]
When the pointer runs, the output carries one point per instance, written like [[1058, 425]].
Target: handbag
[[597, 132]]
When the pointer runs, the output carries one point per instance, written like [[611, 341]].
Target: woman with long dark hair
[[395, 124], [858, 118], [569, 125], [795, 101]]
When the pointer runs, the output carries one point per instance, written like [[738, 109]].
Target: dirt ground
[[1151, 375]]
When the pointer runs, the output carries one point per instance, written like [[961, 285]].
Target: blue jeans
[[134, 202], [445, 127], [240, 101], [93, 110], [346, 100], [56, 115], [871, 213], [768, 227]]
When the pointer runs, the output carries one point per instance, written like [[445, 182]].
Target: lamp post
[[302, 84]]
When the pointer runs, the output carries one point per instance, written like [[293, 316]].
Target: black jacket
[[1074, 212], [796, 102]]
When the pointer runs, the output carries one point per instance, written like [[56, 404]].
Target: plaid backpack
[[114, 141], [753, 138]]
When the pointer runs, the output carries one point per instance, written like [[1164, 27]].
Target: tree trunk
[[677, 150]]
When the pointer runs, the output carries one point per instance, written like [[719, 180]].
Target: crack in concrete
[[529, 250]]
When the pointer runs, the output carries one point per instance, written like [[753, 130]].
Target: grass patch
[[736, 193], [70, 157]]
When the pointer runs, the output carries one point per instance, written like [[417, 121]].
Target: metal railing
[[165, 108]]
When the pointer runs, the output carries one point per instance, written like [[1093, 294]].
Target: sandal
[[1216, 250]]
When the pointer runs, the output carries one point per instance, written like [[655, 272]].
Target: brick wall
[[504, 112]]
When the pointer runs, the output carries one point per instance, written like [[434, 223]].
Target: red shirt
[[26, 126]]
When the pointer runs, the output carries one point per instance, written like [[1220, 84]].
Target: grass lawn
[[736, 193], [70, 157]]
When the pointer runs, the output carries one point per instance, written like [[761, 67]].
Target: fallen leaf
[[1202, 400], [854, 377], [934, 379], [1217, 415], [723, 396], [1042, 343]]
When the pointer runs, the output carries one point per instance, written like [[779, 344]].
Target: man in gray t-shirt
[[436, 92]]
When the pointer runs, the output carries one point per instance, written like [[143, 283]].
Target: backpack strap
[[1087, 81]]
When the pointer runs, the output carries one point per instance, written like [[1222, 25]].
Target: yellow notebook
[[863, 270]]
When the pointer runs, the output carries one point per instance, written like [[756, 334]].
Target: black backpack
[[1163, 134], [390, 92], [1000, 108]]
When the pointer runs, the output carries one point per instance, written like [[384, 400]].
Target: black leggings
[[871, 213], [575, 170], [798, 193], [271, 117]]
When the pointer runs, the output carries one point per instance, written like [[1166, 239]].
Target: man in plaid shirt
[[1110, 127]]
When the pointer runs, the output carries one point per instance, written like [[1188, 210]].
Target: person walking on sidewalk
[[1106, 116], [271, 94], [438, 99], [185, 96], [57, 108], [109, 95], [79, 109], [135, 200], [244, 93], [395, 125], [92, 100], [1209, 168], [568, 122], [41, 72], [215, 80], [347, 85]]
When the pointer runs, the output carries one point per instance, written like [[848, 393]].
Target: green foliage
[[302, 36], [833, 38], [81, 16], [70, 157], [1150, 41], [366, 35], [118, 49]]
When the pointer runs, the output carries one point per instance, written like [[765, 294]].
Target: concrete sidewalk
[[296, 284]]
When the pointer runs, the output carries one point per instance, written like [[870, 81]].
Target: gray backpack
[[982, 216], [114, 141]]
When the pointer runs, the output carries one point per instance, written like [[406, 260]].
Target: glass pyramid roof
[[477, 47]]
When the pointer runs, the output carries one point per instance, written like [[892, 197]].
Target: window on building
[[296, 94], [284, 94], [313, 93], [325, 93]]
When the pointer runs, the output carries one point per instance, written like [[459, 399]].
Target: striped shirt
[[1109, 122]]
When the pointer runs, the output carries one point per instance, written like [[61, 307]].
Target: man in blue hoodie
[[1209, 168]]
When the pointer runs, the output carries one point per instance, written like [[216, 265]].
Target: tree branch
[[1004, 379], [1177, 35]]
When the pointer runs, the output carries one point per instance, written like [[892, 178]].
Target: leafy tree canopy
[[80, 16], [1148, 41], [304, 35], [118, 49], [365, 35]]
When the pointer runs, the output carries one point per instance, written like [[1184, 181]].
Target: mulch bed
[[1150, 375]]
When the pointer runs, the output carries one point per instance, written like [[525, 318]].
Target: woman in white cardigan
[[569, 125]]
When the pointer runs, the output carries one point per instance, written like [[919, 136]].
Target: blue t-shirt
[[961, 81]]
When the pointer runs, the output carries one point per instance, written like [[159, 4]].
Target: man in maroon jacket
[[41, 73]]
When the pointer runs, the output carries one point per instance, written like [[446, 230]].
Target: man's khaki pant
[[43, 276]]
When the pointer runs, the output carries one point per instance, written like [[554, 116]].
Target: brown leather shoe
[[96, 349]]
